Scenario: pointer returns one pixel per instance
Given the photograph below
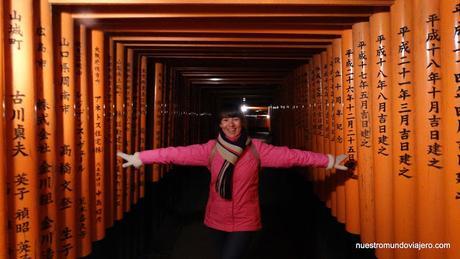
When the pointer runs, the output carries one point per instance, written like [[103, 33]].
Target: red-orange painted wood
[[361, 43], [338, 124], [428, 136], [109, 111], [3, 156], [120, 132], [404, 165], [46, 123], [143, 113], [352, 214], [98, 100], [323, 101], [20, 100], [67, 183], [85, 209], [157, 115], [382, 131], [450, 58], [129, 171]]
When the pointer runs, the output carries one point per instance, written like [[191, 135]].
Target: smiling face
[[231, 127]]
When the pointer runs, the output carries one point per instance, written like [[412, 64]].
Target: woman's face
[[231, 126]]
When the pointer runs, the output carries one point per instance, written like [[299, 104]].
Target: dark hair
[[231, 113]]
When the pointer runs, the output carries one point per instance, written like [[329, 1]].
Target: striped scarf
[[230, 151]]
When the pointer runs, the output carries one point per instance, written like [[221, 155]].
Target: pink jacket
[[242, 213]]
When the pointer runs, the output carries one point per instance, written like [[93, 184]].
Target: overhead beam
[[218, 39], [218, 44], [232, 2]]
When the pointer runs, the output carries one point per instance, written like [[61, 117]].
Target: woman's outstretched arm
[[284, 157], [193, 155]]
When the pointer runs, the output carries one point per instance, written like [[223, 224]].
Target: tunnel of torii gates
[[378, 80]]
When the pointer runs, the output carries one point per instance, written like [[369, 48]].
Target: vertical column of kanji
[[337, 113], [309, 114], [46, 123], [331, 177], [404, 165], [170, 111], [84, 202], [450, 56], [350, 140], [21, 128], [305, 110], [363, 110], [317, 80], [110, 132], [120, 138], [314, 112], [97, 74], [157, 115], [304, 113], [143, 119], [129, 128], [66, 189], [427, 85], [380, 81], [325, 123], [136, 89], [3, 172]]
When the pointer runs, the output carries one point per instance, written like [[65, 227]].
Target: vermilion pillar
[[323, 102], [309, 113], [381, 82], [21, 130], [331, 177], [85, 143], [158, 88], [404, 166], [143, 119], [306, 111], [99, 174], [3, 171], [338, 127], [363, 130], [352, 214], [450, 57], [120, 124], [428, 118], [129, 128], [110, 157], [136, 101], [318, 119], [46, 123], [67, 183]]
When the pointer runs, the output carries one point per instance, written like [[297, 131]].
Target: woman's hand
[[133, 159], [336, 162]]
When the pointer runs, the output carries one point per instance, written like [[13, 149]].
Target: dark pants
[[231, 245]]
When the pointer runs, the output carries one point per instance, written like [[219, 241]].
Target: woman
[[234, 160]]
